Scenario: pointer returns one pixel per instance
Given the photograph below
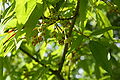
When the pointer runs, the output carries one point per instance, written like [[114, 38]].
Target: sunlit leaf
[[2, 28], [43, 50], [18, 44], [8, 13], [11, 24], [9, 47], [24, 9], [106, 23]]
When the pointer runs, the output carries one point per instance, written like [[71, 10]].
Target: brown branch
[[69, 35], [51, 70]]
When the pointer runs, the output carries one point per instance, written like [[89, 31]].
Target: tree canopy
[[59, 39]]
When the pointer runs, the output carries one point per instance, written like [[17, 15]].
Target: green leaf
[[6, 43], [2, 28], [33, 19], [7, 63], [100, 54], [1, 68], [97, 71], [24, 9], [1, 48], [85, 65], [42, 50], [101, 5], [8, 13], [117, 2], [101, 31], [27, 47], [106, 23], [104, 18], [59, 4], [11, 24], [28, 14], [41, 71], [9, 46], [83, 12], [83, 9], [18, 44], [76, 43]]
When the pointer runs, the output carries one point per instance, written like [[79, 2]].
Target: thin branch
[[69, 35], [51, 70]]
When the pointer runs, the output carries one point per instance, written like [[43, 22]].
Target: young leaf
[[100, 54]]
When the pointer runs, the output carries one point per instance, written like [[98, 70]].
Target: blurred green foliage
[[59, 39]]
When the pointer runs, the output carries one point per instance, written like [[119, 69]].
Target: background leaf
[[33, 19], [101, 31], [100, 54], [1, 68], [106, 23], [117, 2], [83, 12]]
